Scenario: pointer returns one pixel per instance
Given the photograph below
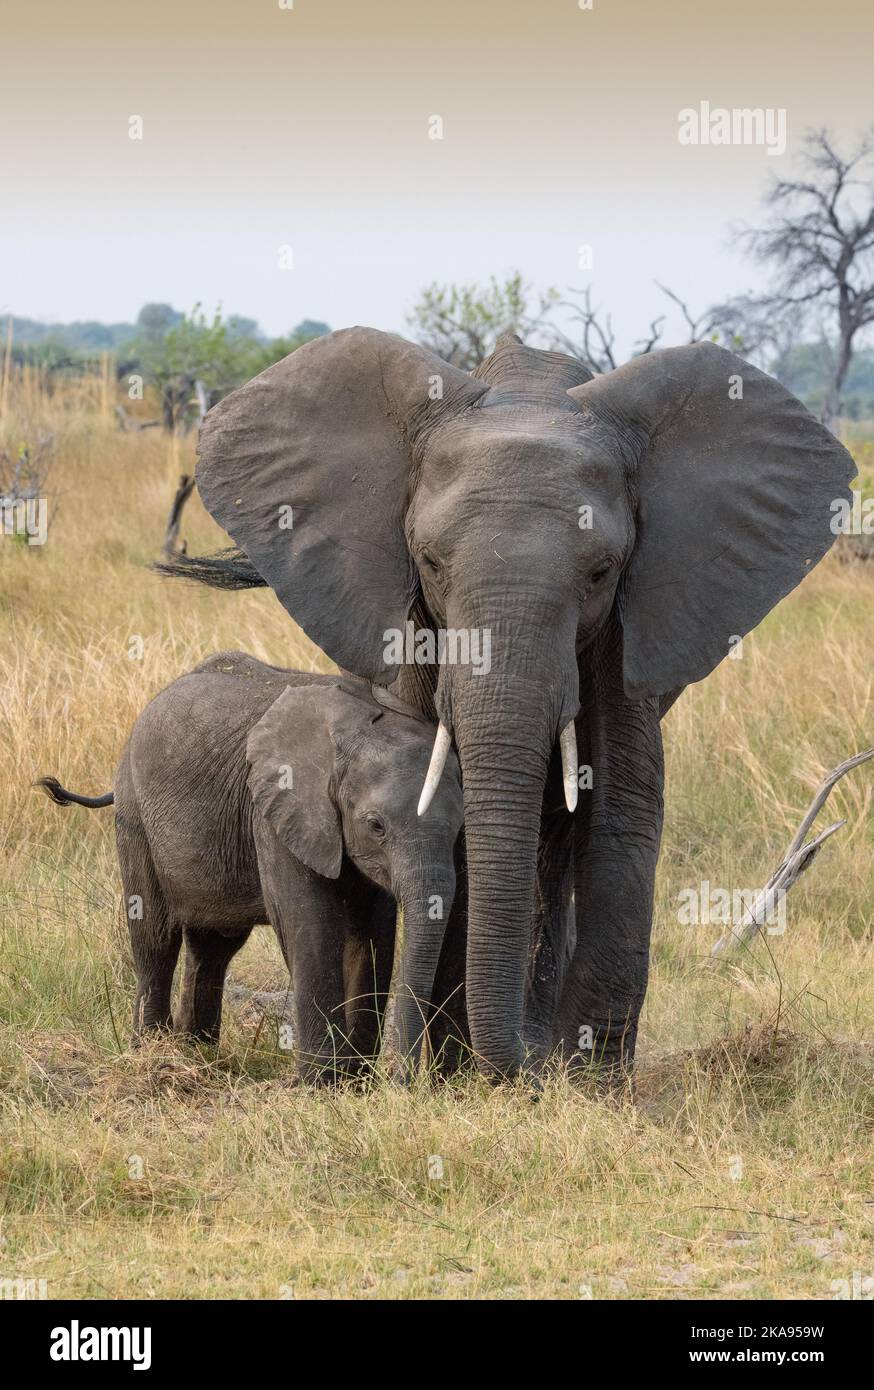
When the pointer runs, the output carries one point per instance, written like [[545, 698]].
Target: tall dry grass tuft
[[745, 1164]]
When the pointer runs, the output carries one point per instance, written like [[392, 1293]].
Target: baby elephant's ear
[[736, 486], [291, 761]]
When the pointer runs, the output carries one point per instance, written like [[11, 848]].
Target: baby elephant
[[248, 794]]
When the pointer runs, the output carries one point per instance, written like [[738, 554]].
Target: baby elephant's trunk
[[426, 900], [61, 797]]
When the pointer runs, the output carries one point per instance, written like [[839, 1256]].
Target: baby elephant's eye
[[375, 825]]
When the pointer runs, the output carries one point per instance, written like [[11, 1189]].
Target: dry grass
[[745, 1165]]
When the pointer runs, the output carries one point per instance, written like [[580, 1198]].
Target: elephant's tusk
[[442, 744], [569, 769]]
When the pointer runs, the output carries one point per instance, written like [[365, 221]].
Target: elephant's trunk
[[505, 726], [502, 826]]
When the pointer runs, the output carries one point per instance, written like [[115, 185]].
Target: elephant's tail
[[227, 569], [52, 787]]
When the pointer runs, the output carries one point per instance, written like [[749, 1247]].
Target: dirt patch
[[759, 1059]]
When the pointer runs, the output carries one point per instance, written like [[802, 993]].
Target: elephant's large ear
[[308, 468], [735, 482], [292, 753]]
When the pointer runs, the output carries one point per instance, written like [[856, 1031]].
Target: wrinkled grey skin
[[213, 840], [420, 490]]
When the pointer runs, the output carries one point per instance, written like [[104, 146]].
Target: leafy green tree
[[309, 328], [240, 327], [198, 360], [266, 353], [461, 322], [54, 358], [193, 362], [154, 320]]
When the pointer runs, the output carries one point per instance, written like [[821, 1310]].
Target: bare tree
[[591, 337], [820, 241], [461, 322], [749, 324], [24, 471], [700, 327]]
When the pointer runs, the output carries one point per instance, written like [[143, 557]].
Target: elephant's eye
[[430, 565], [375, 825], [600, 574]]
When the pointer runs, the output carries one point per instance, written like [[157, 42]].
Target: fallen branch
[[799, 857], [174, 521], [127, 423]]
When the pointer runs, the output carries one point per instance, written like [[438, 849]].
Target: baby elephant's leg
[[207, 956], [320, 1034], [368, 958], [155, 939], [155, 952], [302, 908]]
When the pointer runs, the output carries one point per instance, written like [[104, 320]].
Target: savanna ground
[[742, 1169]]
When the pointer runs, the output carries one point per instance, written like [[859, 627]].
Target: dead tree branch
[[128, 423], [183, 492], [799, 856], [699, 328]]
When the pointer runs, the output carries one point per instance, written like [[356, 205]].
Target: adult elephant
[[613, 536]]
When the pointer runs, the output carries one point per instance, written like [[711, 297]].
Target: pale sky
[[309, 127]]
